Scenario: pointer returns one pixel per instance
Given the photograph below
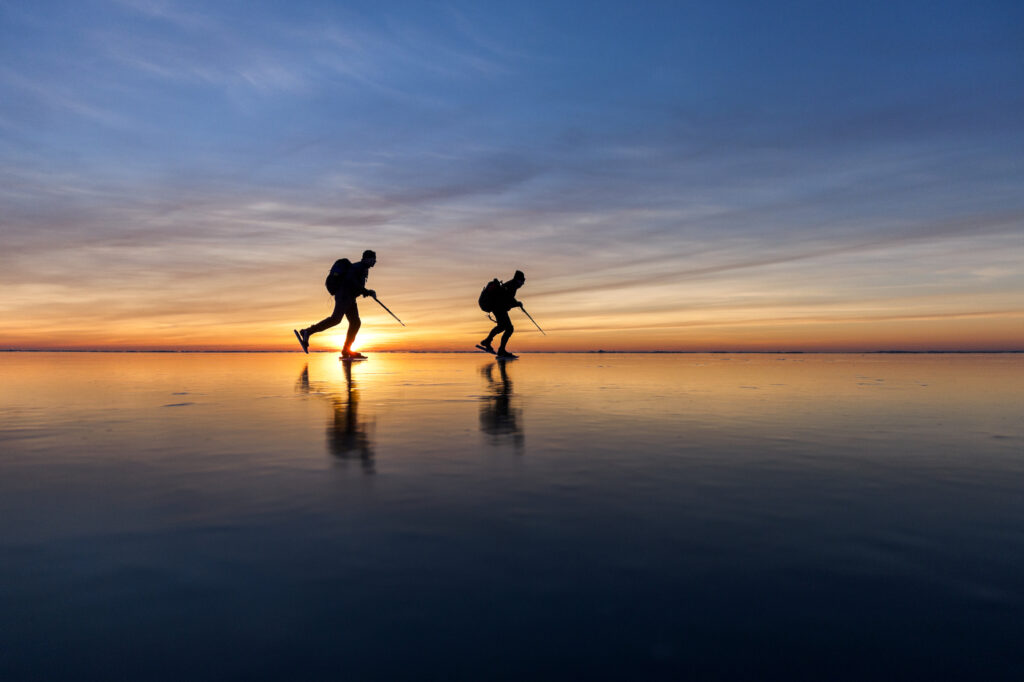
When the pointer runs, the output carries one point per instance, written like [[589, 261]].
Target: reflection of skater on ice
[[348, 436], [499, 418]]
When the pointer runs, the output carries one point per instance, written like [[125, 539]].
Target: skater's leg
[[353, 326], [504, 326], [490, 337], [503, 322], [506, 336], [341, 304]]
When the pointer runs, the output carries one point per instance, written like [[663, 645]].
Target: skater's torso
[[506, 299], [354, 282]]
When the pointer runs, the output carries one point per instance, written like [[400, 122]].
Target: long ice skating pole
[[533, 320], [392, 314]]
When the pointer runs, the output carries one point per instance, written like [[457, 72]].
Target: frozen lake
[[592, 516]]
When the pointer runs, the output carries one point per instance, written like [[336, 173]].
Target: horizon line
[[539, 352]]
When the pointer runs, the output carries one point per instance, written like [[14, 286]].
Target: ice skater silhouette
[[498, 299], [345, 282]]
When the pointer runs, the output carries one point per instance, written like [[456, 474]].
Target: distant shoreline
[[543, 352]]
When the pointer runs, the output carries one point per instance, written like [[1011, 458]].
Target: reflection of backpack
[[490, 296], [337, 276]]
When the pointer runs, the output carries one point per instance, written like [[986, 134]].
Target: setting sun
[[366, 340]]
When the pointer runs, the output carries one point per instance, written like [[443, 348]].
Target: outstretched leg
[[341, 304]]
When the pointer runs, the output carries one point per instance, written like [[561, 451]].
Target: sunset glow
[[835, 176]]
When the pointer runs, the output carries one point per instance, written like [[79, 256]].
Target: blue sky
[[668, 174]]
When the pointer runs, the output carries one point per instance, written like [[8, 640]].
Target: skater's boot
[[303, 337]]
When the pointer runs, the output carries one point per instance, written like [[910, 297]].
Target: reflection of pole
[[533, 320], [396, 316]]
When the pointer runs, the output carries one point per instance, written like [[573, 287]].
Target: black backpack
[[490, 296], [337, 276]]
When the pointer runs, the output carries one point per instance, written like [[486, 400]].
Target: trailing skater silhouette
[[498, 299], [345, 282]]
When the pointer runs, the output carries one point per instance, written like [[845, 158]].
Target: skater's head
[[519, 277], [369, 257]]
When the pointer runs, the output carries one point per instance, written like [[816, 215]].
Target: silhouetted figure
[[345, 282], [500, 299], [498, 418], [348, 437]]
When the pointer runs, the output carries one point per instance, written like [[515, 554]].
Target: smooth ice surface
[[600, 516]]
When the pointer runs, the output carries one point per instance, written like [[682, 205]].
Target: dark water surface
[[194, 517]]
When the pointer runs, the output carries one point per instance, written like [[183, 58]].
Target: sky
[[815, 176]]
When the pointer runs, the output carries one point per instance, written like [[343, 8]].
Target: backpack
[[490, 296], [337, 276]]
